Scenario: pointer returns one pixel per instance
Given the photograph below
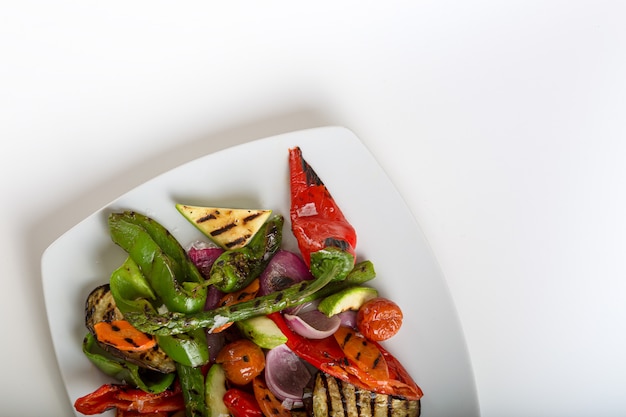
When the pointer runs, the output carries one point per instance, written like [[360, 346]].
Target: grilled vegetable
[[270, 405], [348, 299], [123, 336], [283, 270], [316, 220], [312, 323], [326, 355], [214, 391], [122, 370], [130, 288], [171, 275], [329, 266], [241, 360], [231, 298], [362, 353], [379, 319], [192, 385], [333, 397], [286, 374], [190, 348], [235, 269], [132, 293], [241, 403], [166, 241], [227, 227], [126, 398], [262, 331], [177, 284], [100, 307]]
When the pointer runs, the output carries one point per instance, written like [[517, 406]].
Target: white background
[[502, 124]]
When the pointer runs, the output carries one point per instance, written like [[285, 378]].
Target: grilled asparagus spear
[[337, 265]]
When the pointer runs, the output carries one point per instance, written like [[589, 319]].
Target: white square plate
[[430, 344]]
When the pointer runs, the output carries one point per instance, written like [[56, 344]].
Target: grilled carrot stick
[[123, 336]]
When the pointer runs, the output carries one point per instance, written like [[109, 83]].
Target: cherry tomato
[[242, 360], [379, 319]]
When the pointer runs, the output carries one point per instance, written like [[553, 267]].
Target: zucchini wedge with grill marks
[[331, 397], [230, 228], [100, 306]]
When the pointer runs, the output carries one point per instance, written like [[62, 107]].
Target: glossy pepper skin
[[241, 403], [170, 279], [326, 355], [130, 288], [316, 219], [126, 398], [234, 269], [165, 240], [189, 348]]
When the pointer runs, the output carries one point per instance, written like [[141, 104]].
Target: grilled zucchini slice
[[229, 228]]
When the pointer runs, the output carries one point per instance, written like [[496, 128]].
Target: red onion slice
[[301, 308], [213, 297], [215, 343], [313, 324], [283, 270], [286, 374], [348, 318], [203, 257]]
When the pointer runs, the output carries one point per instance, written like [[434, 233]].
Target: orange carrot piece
[[270, 405], [364, 354], [245, 294], [123, 336]]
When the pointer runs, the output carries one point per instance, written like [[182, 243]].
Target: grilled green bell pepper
[[165, 240], [193, 387], [158, 272], [180, 290], [132, 293], [236, 268], [142, 289], [131, 289], [189, 348]]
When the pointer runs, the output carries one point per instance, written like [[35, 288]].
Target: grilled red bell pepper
[[123, 413], [241, 403], [316, 220], [127, 398], [327, 356]]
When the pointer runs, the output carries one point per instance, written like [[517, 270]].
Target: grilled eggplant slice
[[331, 397], [100, 306]]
